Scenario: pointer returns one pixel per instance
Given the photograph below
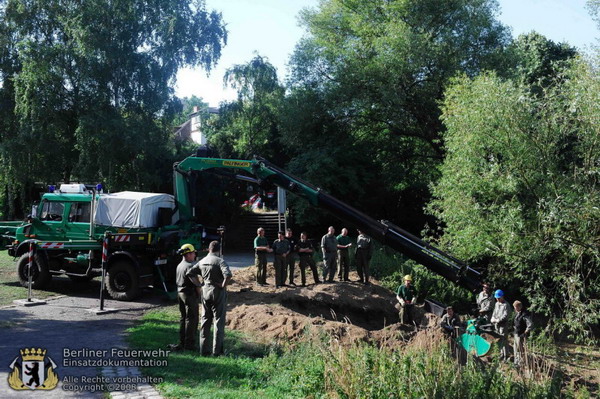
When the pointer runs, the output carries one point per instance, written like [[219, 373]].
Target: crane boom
[[384, 231]]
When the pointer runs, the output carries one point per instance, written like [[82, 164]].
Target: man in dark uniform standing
[[344, 243], [188, 289], [305, 251], [216, 276], [291, 258], [281, 249], [261, 248], [364, 252], [329, 248]]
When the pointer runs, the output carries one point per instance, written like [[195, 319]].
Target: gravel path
[[64, 326]]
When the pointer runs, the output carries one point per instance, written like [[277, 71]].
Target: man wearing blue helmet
[[500, 321]]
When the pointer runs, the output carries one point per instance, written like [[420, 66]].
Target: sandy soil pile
[[349, 311]]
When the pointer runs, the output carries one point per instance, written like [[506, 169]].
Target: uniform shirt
[[293, 244], [448, 323], [484, 302], [183, 281], [406, 293], [260, 242], [343, 240], [304, 245], [364, 243], [212, 269], [522, 322], [329, 243], [501, 312], [280, 247]]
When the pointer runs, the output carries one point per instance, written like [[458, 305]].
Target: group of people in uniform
[[203, 282], [493, 310], [335, 250]]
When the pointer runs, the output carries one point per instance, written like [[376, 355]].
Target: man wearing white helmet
[[187, 297], [500, 321]]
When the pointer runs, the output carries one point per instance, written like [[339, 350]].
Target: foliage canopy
[[89, 85], [519, 189]]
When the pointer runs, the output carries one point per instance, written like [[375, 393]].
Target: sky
[[270, 28]]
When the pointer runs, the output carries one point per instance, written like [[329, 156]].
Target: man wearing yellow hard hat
[[406, 297], [187, 297]]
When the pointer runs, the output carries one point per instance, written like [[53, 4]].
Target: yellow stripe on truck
[[237, 164]]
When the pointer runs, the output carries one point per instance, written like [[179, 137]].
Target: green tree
[[540, 61], [92, 84], [249, 126], [519, 190], [593, 7], [380, 68]]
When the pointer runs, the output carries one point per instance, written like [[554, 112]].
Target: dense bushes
[[519, 190]]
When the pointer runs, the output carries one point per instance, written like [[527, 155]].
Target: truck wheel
[[122, 282], [40, 275]]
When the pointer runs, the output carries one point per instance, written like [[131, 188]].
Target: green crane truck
[[68, 227]]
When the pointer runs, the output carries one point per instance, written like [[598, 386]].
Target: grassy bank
[[317, 368]]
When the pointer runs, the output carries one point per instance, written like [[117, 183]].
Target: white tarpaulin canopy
[[131, 209]]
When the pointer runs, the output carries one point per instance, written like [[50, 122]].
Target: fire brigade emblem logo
[[34, 370]]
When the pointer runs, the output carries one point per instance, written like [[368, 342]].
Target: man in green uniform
[[281, 248], [364, 252], [291, 258], [261, 248], [344, 243], [188, 289], [406, 295], [216, 275], [305, 251], [329, 248]]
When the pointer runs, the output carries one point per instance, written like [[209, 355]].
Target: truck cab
[[60, 217]]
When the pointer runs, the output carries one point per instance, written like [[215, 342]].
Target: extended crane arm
[[384, 231]]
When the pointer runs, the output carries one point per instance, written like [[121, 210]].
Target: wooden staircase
[[242, 235]]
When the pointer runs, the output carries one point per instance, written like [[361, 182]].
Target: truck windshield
[[52, 211]]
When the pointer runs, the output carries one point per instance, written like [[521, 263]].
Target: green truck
[[67, 229], [69, 225]]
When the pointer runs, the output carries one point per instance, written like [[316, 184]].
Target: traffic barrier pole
[[29, 277], [105, 245]]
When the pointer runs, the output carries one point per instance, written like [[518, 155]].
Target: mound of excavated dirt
[[349, 311]]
